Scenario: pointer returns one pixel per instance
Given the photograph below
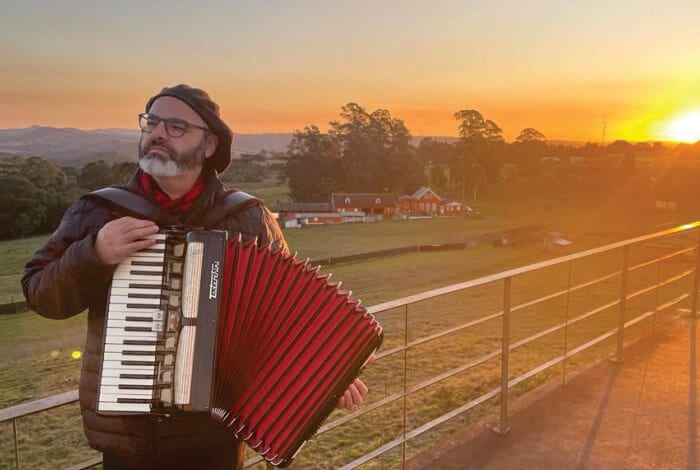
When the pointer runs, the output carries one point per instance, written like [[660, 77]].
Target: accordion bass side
[[257, 339]]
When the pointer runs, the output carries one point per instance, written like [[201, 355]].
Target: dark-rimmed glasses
[[175, 127]]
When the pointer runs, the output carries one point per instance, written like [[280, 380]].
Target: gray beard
[[175, 164]]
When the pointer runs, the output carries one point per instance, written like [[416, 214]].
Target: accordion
[[249, 334]]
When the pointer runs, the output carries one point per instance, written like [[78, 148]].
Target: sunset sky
[[561, 67]]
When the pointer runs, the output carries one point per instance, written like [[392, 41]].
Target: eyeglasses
[[175, 127]]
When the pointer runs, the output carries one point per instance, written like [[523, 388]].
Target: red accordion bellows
[[289, 344]]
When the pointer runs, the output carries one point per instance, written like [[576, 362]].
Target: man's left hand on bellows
[[353, 395]]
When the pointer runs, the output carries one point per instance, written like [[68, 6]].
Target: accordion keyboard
[[139, 339], [160, 327]]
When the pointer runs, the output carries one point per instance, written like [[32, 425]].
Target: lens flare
[[685, 128], [76, 354]]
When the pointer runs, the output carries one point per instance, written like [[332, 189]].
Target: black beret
[[201, 102]]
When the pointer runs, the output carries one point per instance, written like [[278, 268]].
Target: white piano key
[[129, 347], [124, 407], [156, 278], [128, 270], [126, 291], [153, 315], [115, 369], [107, 390], [114, 398], [119, 334], [120, 381], [124, 300], [115, 356], [157, 254], [125, 283], [153, 326], [131, 311]]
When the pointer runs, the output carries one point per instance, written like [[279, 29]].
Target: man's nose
[[159, 131]]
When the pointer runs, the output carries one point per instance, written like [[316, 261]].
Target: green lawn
[[39, 353]]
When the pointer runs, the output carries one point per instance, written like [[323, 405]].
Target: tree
[[95, 175], [363, 152], [376, 151], [438, 180], [529, 148], [22, 214], [431, 151], [313, 169], [41, 181], [529, 134], [122, 172], [480, 151]]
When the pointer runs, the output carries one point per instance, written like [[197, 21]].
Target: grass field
[[40, 354]]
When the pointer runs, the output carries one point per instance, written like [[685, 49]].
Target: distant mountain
[[76, 147]]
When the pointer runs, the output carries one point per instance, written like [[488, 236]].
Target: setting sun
[[685, 128]]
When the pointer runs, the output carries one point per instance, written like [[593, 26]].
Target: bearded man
[[184, 146]]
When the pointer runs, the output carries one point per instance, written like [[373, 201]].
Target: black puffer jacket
[[65, 277]]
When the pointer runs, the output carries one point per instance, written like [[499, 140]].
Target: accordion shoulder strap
[[125, 202], [233, 201]]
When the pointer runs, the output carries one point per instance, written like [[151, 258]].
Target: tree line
[[34, 193], [371, 152]]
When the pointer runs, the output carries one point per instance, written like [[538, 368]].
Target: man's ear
[[212, 142]]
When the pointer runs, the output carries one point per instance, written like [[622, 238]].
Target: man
[[184, 144]]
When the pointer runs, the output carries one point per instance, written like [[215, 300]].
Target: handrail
[[35, 406], [411, 299]]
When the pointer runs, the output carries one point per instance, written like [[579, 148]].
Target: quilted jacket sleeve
[[258, 221], [64, 276]]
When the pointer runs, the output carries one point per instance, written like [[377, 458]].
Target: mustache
[[158, 143]]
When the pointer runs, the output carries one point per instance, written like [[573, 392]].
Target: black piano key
[[144, 286], [137, 262], [142, 342], [136, 400], [137, 376], [139, 363], [135, 387], [141, 353], [146, 296], [156, 306], [139, 328], [143, 387], [143, 319]]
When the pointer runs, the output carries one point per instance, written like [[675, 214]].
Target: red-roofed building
[[426, 201], [369, 203], [423, 201]]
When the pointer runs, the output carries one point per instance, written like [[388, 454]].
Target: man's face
[[162, 155]]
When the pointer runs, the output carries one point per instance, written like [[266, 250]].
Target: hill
[[75, 147]]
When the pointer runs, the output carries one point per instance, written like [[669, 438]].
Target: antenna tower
[[605, 126]]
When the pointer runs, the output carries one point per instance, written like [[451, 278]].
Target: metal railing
[[678, 246]]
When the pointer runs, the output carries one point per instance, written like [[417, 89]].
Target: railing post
[[502, 427], [696, 280], [405, 385], [14, 436], [623, 305], [566, 323]]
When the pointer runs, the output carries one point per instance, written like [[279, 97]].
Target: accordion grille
[[186, 343]]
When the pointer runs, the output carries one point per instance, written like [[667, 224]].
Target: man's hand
[[121, 237], [356, 391], [353, 395]]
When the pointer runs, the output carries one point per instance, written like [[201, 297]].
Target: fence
[[458, 352]]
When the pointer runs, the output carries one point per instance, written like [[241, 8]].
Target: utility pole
[[605, 126]]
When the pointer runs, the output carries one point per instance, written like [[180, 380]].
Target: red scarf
[[178, 206]]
